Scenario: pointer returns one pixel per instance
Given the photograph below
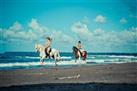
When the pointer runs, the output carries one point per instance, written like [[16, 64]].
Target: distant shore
[[110, 74]]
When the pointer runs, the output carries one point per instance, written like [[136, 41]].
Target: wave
[[19, 64], [96, 61], [91, 57], [24, 64], [103, 61], [31, 57], [120, 56], [62, 63], [66, 57]]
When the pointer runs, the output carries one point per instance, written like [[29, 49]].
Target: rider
[[79, 46], [48, 46]]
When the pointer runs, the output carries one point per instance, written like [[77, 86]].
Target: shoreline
[[109, 74]]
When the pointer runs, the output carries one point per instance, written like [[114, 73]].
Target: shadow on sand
[[73, 87]]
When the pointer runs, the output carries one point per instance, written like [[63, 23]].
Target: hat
[[48, 38], [79, 41]]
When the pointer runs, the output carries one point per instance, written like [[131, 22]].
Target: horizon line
[[71, 52]]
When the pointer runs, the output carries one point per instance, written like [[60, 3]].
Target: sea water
[[25, 60]]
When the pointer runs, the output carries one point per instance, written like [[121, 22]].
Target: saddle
[[75, 49], [47, 54]]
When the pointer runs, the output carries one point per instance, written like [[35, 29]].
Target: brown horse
[[83, 55]]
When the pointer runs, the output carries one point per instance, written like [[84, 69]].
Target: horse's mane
[[75, 49], [40, 46]]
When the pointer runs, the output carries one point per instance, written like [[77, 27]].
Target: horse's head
[[74, 49], [38, 47]]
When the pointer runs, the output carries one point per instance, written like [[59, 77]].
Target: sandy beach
[[115, 76]]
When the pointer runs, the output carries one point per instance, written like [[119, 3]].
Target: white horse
[[54, 53]]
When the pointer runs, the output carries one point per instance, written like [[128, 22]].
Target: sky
[[101, 25]]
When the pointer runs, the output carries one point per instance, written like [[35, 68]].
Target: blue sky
[[102, 26]]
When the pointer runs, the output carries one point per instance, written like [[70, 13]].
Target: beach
[[115, 76], [68, 45]]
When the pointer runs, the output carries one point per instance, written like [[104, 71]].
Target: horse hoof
[[42, 63]]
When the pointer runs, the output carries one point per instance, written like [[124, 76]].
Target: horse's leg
[[75, 60], [55, 58], [55, 62], [79, 55], [42, 60], [75, 54], [58, 56]]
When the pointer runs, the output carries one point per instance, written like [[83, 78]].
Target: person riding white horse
[[47, 51]]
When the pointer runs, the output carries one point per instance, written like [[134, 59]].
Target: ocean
[[27, 60]]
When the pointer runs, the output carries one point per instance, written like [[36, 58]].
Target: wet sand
[[112, 76]]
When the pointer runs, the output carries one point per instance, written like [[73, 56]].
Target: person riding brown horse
[[79, 52]]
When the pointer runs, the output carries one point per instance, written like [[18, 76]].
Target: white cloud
[[85, 20], [116, 38], [107, 40], [34, 25], [127, 37], [31, 35], [20, 35], [81, 30], [130, 35], [16, 32], [98, 31], [16, 27], [35, 31], [98, 39], [61, 37], [123, 21], [133, 16], [100, 19]]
